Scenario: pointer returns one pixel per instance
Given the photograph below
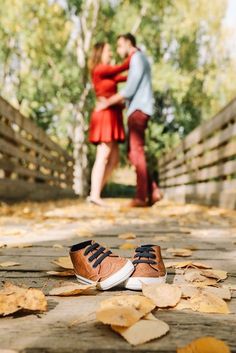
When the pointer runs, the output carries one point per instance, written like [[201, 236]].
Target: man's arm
[[136, 71]]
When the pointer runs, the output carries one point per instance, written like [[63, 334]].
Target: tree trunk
[[88, 20]]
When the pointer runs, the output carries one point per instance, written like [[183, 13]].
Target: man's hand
[[101, 104]]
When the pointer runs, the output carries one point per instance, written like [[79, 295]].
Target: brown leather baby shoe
[[94, 264], [148, 267]]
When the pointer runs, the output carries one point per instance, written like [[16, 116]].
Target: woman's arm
[[120, 78], [106, 71]]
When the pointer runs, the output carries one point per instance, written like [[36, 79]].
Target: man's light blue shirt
[[138, 90]]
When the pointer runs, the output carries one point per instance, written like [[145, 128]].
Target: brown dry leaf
[[9, 264], [194, 276], [189, 291], [67, 273], [208, 303], [163, 295], [72, 289], [127, 246], [84, 233], [161, 238], [172, 264], [205, 345], [58, 246], [20, 246], [185, 264], [142, 331], [179, 252], [124, 310], [223, 293], [220, 275], [183, 304], [14, 298], [64, 262], [127, 236]]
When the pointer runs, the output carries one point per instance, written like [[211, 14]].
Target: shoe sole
[[112, 281], [135, 283]]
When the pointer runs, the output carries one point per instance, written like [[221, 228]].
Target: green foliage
[[192, 72]]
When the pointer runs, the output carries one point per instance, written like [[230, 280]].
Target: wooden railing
[[202, 168], [32, 166]]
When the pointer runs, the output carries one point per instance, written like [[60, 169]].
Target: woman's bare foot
[[97, 201]]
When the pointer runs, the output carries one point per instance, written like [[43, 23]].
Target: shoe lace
[[145, 254], [99, 254]]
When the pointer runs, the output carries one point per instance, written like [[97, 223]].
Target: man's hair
[[128, 36]]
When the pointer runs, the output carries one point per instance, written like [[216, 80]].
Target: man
[[139, 96]]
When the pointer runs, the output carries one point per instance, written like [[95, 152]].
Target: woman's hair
[[96, 55]]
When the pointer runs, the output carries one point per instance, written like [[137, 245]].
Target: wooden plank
[[12, 190], [215, 141], [16, 117], [11, 150], [7, 131], [211, 157], [208, 173], [206, 193], [227, 114]]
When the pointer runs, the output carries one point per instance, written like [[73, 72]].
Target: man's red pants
[[137, 123]]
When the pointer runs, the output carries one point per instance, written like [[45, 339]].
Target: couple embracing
[[106, 124]]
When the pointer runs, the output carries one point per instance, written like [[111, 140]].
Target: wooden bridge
[[33, 235]]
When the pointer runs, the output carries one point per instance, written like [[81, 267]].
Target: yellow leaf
[[179, 252], [208, 303], [9, 264], [127, 236], [64, 262], [163, 295], [14, 298], [124, 310], [205, 345], [72, 289], [142, 331], [128, 246], [67, 273]]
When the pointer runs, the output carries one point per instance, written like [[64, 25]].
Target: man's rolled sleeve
[[135, 74]]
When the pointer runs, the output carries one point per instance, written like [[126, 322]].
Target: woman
[[106, 126]]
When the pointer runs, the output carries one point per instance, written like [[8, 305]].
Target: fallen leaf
[[185, 264], [64, 262], [163, 295], [127, 236], [124, 310], [142, 331], [189, 291], [20, 246], [161, 238], [205, 345], [194, 276], [68, 273], [179, 252], [58, 246], [128, 246], [84, 233], [72, 289], [9, 264], [208, 303], [216, 274], [14, 298]]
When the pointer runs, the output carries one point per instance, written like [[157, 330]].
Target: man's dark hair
[[128, 36]]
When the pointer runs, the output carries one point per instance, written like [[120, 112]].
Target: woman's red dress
[[107, 125]]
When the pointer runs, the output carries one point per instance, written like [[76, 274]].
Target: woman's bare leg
[[98, 171], [112, 163]]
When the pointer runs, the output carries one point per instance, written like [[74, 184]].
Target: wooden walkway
[[69, 325]]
